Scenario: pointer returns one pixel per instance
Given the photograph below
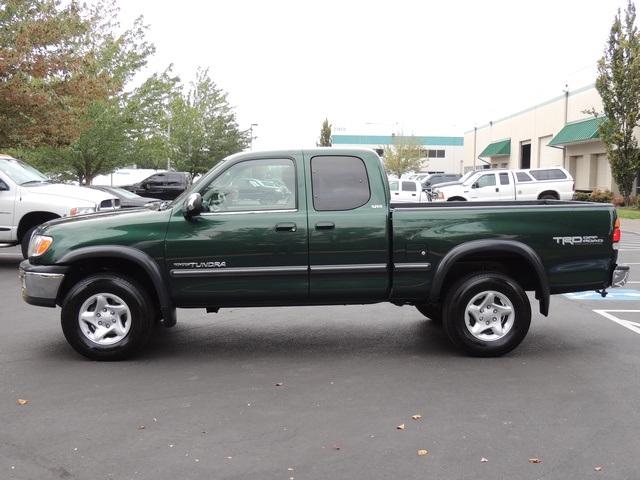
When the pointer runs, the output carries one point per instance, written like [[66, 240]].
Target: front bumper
[[620, 276], [40, 283]]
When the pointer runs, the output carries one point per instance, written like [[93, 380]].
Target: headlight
[[81, 210], [38, 245]]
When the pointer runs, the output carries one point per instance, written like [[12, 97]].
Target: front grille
[[111, 204]]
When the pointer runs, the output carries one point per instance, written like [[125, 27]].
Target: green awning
[[580, 131], [495, 149]]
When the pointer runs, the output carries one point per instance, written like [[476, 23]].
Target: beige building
[[554, 133]]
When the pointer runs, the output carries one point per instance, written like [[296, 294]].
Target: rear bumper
[[40, 283], [620, 276]]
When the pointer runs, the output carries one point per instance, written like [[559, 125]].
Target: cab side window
[[486, 180], [253, 185], [156, 180], [339, 183], [409, 186]]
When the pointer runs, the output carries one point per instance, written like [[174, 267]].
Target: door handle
[[325, 226], [286, 227]]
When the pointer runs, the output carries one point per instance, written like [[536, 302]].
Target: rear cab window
[[339, 183]]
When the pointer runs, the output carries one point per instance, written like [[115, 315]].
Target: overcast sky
[[422, 67]]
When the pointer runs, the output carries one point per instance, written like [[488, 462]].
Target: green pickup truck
[[331, 237]]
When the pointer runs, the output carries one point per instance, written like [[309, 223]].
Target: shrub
[[581, 196], [619, 201], [601, 196]]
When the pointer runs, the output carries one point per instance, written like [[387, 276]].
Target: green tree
[[54, 62], [148, 109], [325, 135], [405, 155], [204, 129], [109, 124], [618, 84]]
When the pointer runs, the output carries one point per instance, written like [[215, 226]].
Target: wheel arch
[[549, 193], [474, 254], [121, 259], [33, 219]]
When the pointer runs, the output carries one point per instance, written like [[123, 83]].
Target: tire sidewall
[[454, 314], [131, 293]]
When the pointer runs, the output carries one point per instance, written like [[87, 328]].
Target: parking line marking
[[633, 326]]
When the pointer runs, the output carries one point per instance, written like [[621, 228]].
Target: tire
[[107, 317], [482, 331], [548, 196], [432, 311]]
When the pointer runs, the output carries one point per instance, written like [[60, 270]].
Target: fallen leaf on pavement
[[484, 460], [21, 401], [400, 427], [141, 427], [422, 453], [279, 384], [534, 460], [417, 417], [598, 469]]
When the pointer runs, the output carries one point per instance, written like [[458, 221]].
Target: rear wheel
[[107, 317], [487, 314]]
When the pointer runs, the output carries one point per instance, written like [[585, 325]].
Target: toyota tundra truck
[[335, 240]]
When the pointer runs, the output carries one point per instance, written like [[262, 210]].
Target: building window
[[435, 153]]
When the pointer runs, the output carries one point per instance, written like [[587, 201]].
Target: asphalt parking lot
[[310, 393]]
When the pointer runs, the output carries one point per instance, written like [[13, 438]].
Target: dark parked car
[[254, 189], [162, 185], [436, 178], [127, 199]]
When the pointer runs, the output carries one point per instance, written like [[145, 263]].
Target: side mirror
[[192, 205], [3, 186], [475, 185]]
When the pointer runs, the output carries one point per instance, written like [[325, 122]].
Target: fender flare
[[141, 259], [477, 246]]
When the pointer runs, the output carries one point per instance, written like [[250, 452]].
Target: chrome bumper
[[40, 284], [620, 276]]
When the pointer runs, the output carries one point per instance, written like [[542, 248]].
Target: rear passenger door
[[348, 230]]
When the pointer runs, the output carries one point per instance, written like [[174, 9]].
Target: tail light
[[616, 233]]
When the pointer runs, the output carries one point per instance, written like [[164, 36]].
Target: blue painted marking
[[612, 294]]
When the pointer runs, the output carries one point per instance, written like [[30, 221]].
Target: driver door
[[241, 251]]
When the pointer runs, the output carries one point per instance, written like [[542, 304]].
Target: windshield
[[466, 176], [21, 173]]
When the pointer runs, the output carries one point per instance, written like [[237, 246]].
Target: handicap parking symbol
[[613, 294]]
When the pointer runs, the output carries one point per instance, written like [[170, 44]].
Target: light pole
[[251, 133]]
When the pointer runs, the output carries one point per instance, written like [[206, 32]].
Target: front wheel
[[487, 314], [107, 317]]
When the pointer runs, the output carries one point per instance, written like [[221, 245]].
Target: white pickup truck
[[28, 199], [553, 183], [407, 191]]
